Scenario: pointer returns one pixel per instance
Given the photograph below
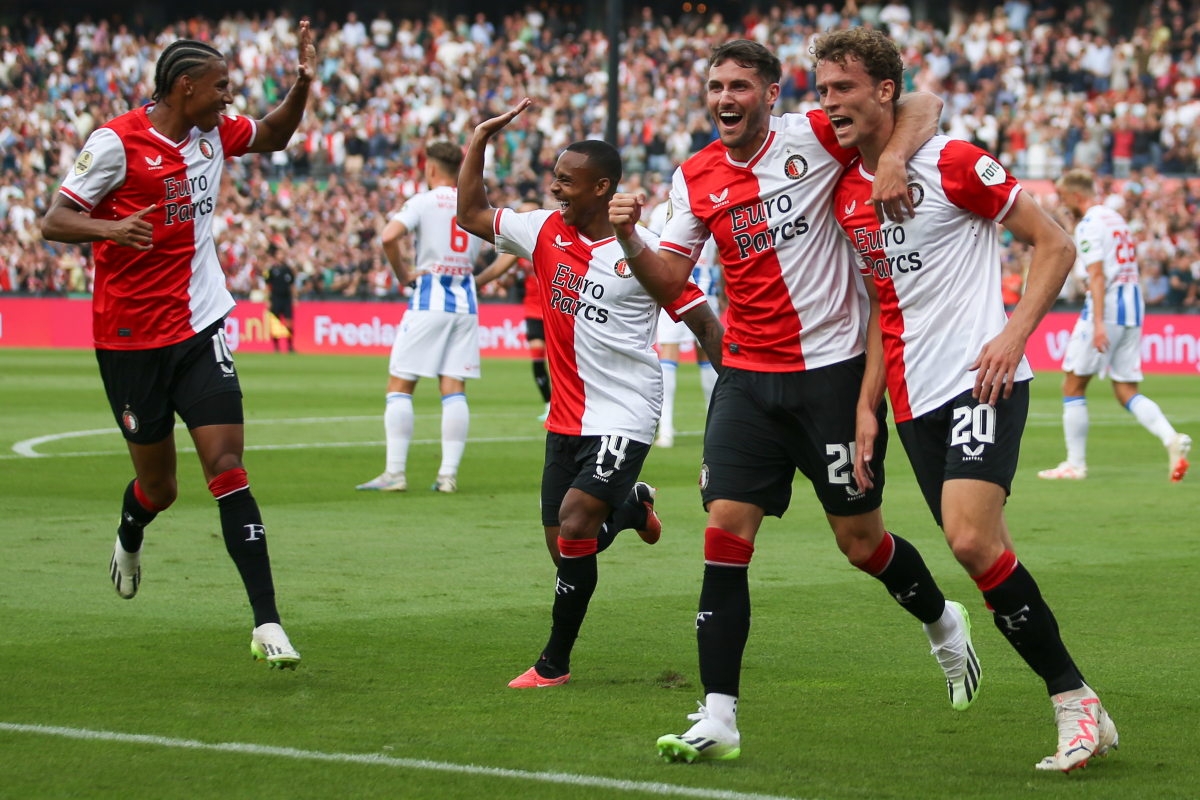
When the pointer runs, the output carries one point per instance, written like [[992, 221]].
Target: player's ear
[[887, 91], [772, 95], [602, 187]]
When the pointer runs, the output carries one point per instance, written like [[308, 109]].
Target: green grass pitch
[[413, 612]]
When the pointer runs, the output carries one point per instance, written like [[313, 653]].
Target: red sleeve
[[976, 182], [689, 298], [828, 138], [237, 135]]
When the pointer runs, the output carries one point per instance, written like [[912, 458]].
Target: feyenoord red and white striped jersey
[[177, 289], [794, 301], [938, 275], [600, 324]]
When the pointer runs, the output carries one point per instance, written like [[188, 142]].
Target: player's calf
[[246, 541]]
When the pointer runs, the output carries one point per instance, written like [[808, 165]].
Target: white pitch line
[[373, 759]]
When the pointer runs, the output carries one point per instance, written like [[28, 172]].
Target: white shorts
[[672, 332], [433, 343], [1122, 362]]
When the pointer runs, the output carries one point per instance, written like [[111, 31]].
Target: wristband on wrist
[[633, 246]]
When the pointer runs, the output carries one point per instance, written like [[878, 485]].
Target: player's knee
[[971, 547], [160, 491], [224, 463], [574, 524], [856, 546]]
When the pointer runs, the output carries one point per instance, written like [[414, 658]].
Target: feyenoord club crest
[[703, 475], [130, 421], [622, 269], [206, 148], [916, 193], [795, 167]]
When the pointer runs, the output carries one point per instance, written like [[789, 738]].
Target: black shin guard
[[573, 590], [908, 580], [246, 541], [542, 379], [134, 519], [1027, 622], [722, 627]]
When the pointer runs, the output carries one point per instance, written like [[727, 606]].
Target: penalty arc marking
[[373, 759]]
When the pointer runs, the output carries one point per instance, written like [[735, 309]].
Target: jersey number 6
[[458, 238]]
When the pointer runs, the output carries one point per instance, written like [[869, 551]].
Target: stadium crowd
[[1042, 90]]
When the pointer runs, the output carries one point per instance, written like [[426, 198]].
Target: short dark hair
[[873, 49], [182, 57], [448, 155], [751, 55], [601, 157]]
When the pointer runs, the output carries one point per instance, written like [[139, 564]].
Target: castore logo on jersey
[[719, 200], [559, 243], [154, 163]]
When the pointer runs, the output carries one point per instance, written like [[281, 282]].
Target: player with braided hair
[[144, 189]]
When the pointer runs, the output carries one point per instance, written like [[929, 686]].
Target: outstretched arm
[[917, 116], [475, 213], [663, 274], [708, 330], [1053, 257], [275, 129]]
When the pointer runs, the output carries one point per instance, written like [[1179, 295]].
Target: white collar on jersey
[[862, 170], [771, 125], [167, 139]]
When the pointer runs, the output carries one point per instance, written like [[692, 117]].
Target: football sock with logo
[[723, 622], [1026, 621], [899, 567], [708, 380], [540, 376], [398, 428], [136, 513], [1075, 428], [666, 423], [456, 421], [629, 516], [573, 589], [246, 541], [1150, 415]]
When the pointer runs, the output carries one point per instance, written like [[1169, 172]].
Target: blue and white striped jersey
[[1103, 236], [446, 254]]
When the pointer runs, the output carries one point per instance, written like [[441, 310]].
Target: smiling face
[[858, 106], [739, 101], [580, 192], [206, 96]]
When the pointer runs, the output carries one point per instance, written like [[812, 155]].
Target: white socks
[[708, 379], [1150, 415], [666, 423], [723, 707], [398, 426], [941, 631], [1075, 426], [456, 421]]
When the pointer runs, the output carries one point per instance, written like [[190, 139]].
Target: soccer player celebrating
[[952, 362], [439, 334], [144, 189], [671, 335], [607, 384], [793, 362], [1108, 334]]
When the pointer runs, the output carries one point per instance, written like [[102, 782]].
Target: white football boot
[[1064, 472], [1177, 453], [956, 656], [1084, 730], [446, 483], [125, 569], [269, 643], [387, 482], [666, 438], [709, 739]]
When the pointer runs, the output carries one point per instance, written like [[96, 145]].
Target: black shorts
[[966, 439], [282, 307], [534, 329], [763, 426], [195, 377], [606, 467]]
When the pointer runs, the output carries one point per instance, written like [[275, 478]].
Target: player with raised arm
[[144, 189], [439, 334], [1108, 258], [671, 335], [607, 383], [952, 361], [793, 364]]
